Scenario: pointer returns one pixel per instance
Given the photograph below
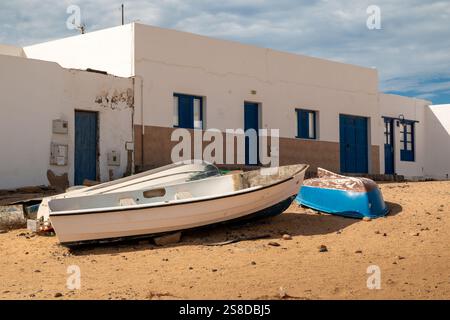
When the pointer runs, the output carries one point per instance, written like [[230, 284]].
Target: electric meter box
[[113, 158], [60, 126], [59, 154]]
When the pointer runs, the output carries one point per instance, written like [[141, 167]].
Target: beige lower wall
[[158, 145]]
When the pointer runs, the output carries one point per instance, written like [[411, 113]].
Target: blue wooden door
[[353, 144], [388, 146], [85, 146], [251, 121]]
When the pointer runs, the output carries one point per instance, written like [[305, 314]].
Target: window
[[388, 133], [407, 141], [198, 114], [306, 124], [187, 111], [175, 111]]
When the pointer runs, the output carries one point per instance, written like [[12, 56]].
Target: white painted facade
[[163, 62], [11, 51], [437, 141], [36, 92], [225, 73], [396, 106]]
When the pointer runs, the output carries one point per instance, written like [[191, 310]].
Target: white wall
[[437, 152], [11, 51], [109, 50], [412, 109], [226, 72], [33, 94], [223, 71]]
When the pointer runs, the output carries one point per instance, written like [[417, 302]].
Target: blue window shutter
[[185, 112], [304, 129]]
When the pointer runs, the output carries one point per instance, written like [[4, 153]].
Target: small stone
[[168, 239], [358, 251], [367, 219], [384, 234], [323, 248], [253, 263], [339, 232], [274, 244], [58, 294], [377, 232], [37, 270], [282, 293], [214, 270], [414, 234], [400, 257], [3, 231], [190, 268], [287, 237]]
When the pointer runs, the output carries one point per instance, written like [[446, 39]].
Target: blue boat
[[341, 195]]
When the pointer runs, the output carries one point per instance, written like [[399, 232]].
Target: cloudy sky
[[411, 50]]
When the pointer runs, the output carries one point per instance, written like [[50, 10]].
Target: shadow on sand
[[295, 222], [394, 208]]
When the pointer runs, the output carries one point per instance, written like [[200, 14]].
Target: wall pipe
[[142, 118]]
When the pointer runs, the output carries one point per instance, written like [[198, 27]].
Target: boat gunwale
[[180, 202]]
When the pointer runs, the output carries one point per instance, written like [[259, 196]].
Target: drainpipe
[[142, 118]]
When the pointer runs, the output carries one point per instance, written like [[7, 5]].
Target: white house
[[67, 121], [328, 114]]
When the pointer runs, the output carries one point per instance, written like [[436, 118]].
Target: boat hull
[[82, 227], [343, 202], [275, 210]]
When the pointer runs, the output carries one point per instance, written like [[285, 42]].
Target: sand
[[410, 247]]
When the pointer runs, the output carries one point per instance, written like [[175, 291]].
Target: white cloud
[[412, 46]]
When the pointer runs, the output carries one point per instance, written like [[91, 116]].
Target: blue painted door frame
[[251, 121], [86, 126], [353, 138], [389, 146]]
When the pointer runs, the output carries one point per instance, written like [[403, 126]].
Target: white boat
[[175, 207], [173, 173]]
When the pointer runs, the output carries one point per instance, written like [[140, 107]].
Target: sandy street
[[411, 246]]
